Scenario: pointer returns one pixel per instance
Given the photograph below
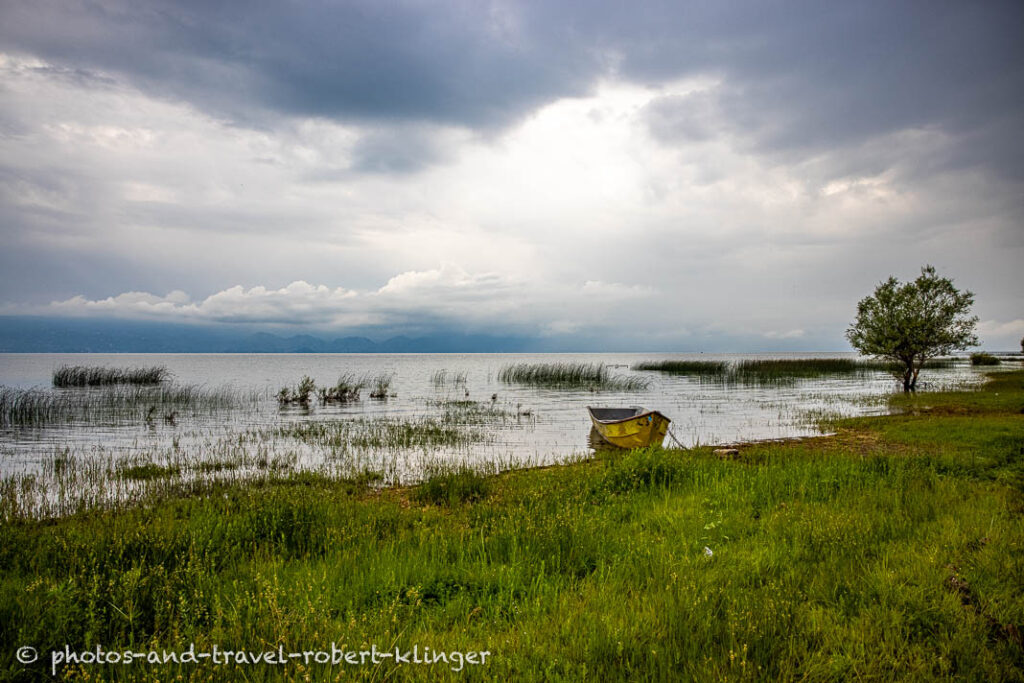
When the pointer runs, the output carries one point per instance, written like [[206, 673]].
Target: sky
[[665, 175]]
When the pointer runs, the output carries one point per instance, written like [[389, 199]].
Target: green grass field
[[893, 550]]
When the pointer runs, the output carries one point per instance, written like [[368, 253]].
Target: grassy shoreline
[[890, 551]]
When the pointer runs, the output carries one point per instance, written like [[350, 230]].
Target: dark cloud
[[797, 76], [688, 118], [459, 63], [253, 182], [396, 151]]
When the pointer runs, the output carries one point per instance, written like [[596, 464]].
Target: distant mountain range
[[29, 334], [37, 334]]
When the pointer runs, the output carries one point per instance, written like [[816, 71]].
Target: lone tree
[[911, 322]]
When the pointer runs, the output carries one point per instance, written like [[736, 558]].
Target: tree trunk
[[908, 378]]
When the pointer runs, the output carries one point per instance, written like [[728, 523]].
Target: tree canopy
[[911, 322]]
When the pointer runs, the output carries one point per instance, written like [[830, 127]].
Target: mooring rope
[[678, 442]]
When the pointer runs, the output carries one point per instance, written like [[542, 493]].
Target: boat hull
[[643, 429]]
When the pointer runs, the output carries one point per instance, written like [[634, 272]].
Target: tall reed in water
[[95, 376], [569, 375], [35, 407]]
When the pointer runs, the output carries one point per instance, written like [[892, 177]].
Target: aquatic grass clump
[[380, 386], [777, 370], [592, 376], [95, 376], [472, 412], [582, 374], [418, 433], [36, 407], [783, 368], [940, 363], [685, 367], [181, 395], [381, 434], [807, 366], [71, 481], [298, 395], [982, 358], [31, 407], [346, 389], [442, 378], [147, 471]]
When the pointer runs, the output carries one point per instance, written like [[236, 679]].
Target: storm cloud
[[767, 163], [796, 76]]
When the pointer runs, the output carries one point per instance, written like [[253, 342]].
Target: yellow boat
[[629, 427]]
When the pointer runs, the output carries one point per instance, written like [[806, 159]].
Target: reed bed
[[149, 471], [802, 367], [380, 386], [70, 481], [467, 412], [29, 497], [443, 378], [593, 376], [778, 370], [37, 407], [937, 363], [685, 367], [345, 390], [299, 394], [96, 376], [382, 434], [982, 358]]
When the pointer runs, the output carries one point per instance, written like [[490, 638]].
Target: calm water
[[533, 426]]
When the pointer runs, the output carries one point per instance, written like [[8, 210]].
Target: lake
[[477, 419]]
